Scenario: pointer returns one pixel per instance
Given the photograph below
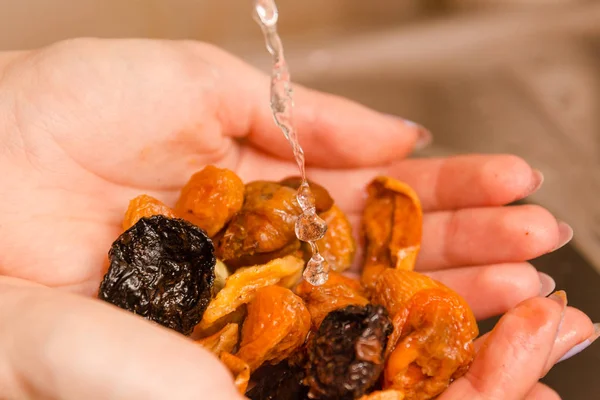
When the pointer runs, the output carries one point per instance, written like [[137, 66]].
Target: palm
[[116, 120]]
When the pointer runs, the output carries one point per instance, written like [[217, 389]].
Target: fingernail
[[424, 137], [560, 296], [578, 348], [565, 234], [537, 179], [547, 284]]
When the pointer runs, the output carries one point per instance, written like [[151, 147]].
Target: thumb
[[61, 346]]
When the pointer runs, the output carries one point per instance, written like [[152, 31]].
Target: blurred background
[[494, 76]]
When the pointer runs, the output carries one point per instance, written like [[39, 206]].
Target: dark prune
[[282, 381], [161, 269], [346, 355]]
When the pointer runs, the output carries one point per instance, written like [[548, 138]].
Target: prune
[[282, 381], [277, 324], [323, 200], [338, 292], [161, 269], [434, 329], [337, 246], [144, 206], [391, 226], [240, 288], [210, 198], [346, 355], [264, 225]]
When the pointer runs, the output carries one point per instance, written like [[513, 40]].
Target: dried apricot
[[323, 200], [264, 225], [276, 325], [144, 206], [384, 395], [239, 369], [337, 246], [338, 292], [434, 329], [210, 198], [240, 288], [391, 226], [223, 341]]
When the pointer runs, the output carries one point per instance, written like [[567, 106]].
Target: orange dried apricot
[[223, 341], [338, 292], [338, 245], [239, 369], [144, 206], [277, 324], [210, 198], [391, 226], [241, 287], [384, 395]]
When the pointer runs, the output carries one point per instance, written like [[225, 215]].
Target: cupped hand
[[90, 124]]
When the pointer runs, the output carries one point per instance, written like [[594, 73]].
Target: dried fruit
[[263, 227], [384, 395], [338, 292], [162, 269], [144, 206], [225, 340], [240, 288], [221, 275], [392, 228], [337, 246], [322, 198], [434, 329], [240, 370], [278, 382], [276, 325], [210, 198], [346, 355]]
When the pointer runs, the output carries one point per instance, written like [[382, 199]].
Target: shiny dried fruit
[[434, 329], [221, 275], [144, 206], [225, 340], [346, 355], [263, 227], [210, 198], [384, 395], [322, 198], [239, 369], [276, 325], [278, 382], [392, 228], [240, 288], [337, 246], [338, 292], [161, 269]]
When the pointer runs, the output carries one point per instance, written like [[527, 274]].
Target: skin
[[89, 124]]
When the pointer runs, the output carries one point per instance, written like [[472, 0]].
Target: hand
[[90, 124]]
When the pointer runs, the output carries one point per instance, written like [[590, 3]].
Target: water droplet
[[305, 197], [317, 270], [310, 227]]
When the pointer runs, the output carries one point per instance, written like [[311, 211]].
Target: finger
[[494, 289], [513, 356], [57, 345], [542, 392], [441, 183], [333, 131], [576, 333], [480, 236]]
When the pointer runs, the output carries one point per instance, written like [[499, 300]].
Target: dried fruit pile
[[224, 267]]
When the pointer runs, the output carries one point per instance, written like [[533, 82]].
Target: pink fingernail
[[547, 284], [424, 137], [578, 348], [565, 234], [537, 179]]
